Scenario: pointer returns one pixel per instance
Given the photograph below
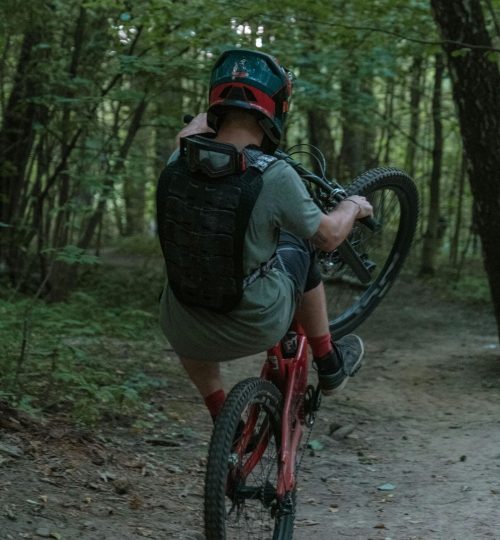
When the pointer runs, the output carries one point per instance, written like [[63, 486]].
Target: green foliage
[[472, 287], [97, 356], [74, 255], [145, 246]]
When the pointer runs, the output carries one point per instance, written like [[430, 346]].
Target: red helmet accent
[[250, 97]]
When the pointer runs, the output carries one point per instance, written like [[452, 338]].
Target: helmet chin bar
[[271, 139], [269, 130]]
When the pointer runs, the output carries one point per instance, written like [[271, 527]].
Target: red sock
[[320, 345], [214, 402]]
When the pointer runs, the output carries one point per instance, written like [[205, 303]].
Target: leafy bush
[[97, 356]]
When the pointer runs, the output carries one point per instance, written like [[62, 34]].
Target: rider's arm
[[197, 126], [335, 227]]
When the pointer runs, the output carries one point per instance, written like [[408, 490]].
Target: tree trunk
[[431, 237], [16, 142], [455, 241], [476, 82], [350, 158], [63, 275], [98, 214], [415, 95], [320, 135]]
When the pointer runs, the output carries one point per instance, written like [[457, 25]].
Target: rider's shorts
[[297, 257]]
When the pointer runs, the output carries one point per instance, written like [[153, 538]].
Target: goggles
[[212, 158]]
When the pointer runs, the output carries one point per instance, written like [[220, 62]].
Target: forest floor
[[410, 450]]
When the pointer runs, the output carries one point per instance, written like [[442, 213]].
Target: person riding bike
[[238, 231]]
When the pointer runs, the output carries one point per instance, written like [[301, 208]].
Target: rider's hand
[[365, 209], [197, 125]]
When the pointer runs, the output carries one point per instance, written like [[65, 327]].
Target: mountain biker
[[238, 231]]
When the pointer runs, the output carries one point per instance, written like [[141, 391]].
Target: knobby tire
[[395, 199], [229, 514]]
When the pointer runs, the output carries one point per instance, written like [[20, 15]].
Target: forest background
[[92, 94]]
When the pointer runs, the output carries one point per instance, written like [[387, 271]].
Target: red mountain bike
[[254, 456]]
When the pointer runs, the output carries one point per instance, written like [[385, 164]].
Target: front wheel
[[395, 201], [241, 481]]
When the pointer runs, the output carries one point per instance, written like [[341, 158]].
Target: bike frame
[[289, 374]]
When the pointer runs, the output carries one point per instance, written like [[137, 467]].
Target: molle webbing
[[202, 223]]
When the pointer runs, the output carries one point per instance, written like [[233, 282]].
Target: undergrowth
[[98, 356], [470, 286]]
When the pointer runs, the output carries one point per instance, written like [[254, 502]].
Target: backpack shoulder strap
[[257, 159]]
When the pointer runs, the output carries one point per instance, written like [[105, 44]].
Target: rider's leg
[[296, 257], [207, 378], [335, 361], [311, 312], [342, 358]]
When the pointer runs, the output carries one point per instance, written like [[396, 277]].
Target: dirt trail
[[414, 452]]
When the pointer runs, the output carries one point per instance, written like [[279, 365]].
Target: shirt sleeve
[[292, 207]]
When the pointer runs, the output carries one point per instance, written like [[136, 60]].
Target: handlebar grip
[[187, 118], [371, 223]]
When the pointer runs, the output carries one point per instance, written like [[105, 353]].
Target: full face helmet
[[254, 81]]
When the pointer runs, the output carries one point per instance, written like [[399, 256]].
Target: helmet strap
[[270, 141]]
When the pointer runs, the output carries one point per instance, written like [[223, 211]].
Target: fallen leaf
[[106, 475], [308, 522], [10, 514], [386, 487], [134, 464], [12, 451], [135, 503], [315, 445], [142, 531], [343, 431]]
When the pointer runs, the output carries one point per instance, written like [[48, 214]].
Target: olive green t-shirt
[[266, 310]]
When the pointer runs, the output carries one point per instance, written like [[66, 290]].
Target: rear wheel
[[395, 201], [242, 469]]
